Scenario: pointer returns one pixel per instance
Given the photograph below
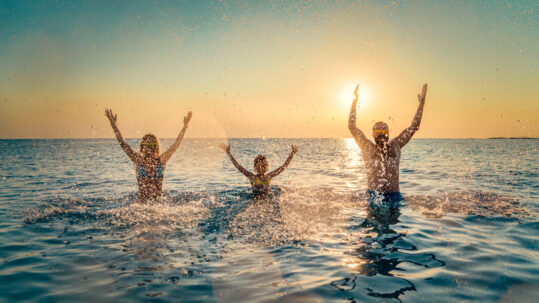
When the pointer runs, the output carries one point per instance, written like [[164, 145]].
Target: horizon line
[[266, 138]]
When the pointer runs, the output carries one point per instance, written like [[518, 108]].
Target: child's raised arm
[[226, 148], [279, 170]]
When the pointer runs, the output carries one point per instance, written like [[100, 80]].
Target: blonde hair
[[151, 138]]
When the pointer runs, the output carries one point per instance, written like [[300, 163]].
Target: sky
[[267, 68]]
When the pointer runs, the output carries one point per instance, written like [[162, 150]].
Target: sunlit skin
[[149, 162], [382, 158], [260, 181]]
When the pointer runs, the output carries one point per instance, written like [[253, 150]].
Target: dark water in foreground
[[70, 229]]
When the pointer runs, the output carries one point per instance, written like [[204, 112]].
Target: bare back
[[382, 170]]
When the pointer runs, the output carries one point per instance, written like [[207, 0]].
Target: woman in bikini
[[260, 181], [149, 162]]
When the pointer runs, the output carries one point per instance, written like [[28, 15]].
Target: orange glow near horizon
[[262, 70]]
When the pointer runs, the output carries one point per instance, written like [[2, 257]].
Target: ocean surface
[[71, 229]]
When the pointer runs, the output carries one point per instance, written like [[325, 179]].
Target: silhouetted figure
[[382, 158], [149, 162]]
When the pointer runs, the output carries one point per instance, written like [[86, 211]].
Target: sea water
[[71, 229]]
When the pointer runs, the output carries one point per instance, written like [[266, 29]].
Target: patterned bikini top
[[158, 173]]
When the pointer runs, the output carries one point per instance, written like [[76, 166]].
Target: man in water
[[382, 158]]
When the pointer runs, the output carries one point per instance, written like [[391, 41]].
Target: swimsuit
[[261, 182], [158, 172], [261, 187]]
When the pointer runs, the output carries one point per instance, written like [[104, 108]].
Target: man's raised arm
[[407, 134], [358, 135]]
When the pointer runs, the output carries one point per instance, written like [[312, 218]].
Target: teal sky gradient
[[267, 68]]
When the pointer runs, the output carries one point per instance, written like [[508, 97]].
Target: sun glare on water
[[346, 95]]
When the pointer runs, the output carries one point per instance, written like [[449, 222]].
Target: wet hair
[[380, 125], [151, 138], [262, 160]]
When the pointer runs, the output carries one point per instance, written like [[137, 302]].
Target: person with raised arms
[[382, 158], [260, 181], [149, 162]]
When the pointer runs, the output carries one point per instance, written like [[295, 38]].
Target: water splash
[[486, 204]]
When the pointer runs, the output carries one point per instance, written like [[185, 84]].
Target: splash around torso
[[382, 169], [150, 175]]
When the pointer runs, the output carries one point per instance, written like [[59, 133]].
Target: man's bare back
[[382, 169], [382, 158]]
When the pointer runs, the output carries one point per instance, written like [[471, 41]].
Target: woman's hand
[[187, 118], [112, 117]]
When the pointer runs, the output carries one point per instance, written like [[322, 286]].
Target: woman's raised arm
[[172, 149], [127, 149]]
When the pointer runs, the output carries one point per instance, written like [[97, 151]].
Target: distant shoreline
[[513, 138]]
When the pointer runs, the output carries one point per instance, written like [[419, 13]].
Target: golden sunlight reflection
[[346, 95], [353, 161], [352, 263]]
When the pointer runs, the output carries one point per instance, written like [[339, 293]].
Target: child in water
[[260, 182]]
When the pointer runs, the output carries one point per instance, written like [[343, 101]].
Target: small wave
[[75, 208]]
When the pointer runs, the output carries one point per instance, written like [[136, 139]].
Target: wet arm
[[404, 137], [242, 169], [358, 135], [127, 149], [172, 149], [279, 170]]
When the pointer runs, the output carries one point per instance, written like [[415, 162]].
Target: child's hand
[[187, 118], [225, 147]]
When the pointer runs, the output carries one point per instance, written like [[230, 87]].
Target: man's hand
[[112, 117], [421, 97], [187, 118], [355, 92], [225, 147]]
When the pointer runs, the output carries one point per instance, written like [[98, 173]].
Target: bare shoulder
[[369, 146], [394, 146], [137, 160]]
